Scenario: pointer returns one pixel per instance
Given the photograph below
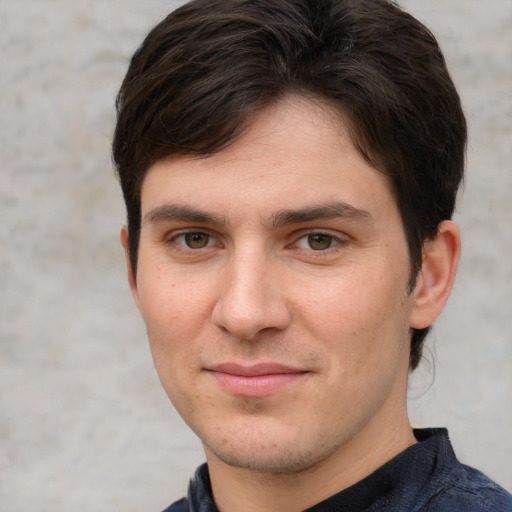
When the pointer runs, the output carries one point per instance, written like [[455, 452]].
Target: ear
[[129, 270], [435, 279]]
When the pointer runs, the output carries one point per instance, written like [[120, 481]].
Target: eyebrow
[[170, 212], [333, 210]]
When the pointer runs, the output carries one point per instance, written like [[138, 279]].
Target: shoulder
[[178, 506], [199, 496], [471, 491]]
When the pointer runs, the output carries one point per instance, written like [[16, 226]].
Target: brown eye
[[320, 242], [196, 240]]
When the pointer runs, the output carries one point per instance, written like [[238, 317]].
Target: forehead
[[295, 152]]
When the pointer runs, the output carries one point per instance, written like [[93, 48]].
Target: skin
[[285, 248]]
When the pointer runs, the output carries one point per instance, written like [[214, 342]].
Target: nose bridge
[[251, 297]]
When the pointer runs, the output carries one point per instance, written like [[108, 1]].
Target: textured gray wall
[[83, 421]]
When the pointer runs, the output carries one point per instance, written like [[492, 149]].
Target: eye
[[317, 241], [196, 240]]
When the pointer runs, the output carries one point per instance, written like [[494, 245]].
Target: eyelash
[[183, 247], [335, 242]]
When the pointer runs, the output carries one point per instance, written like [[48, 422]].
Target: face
[[273, 280]]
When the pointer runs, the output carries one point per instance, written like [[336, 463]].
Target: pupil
[[319, 242]]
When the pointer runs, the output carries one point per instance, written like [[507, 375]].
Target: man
[[290, 170]]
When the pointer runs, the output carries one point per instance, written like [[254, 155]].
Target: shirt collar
[[404, 481]]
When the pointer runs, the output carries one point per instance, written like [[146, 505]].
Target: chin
[[269, 456], [277, 462]]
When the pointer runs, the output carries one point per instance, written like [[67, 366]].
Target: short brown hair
[[194, 82]]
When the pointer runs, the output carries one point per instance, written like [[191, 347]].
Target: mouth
[[255, 381]]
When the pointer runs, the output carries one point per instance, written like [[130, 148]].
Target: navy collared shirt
[[427, 477]]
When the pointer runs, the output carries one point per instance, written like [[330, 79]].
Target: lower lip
[[256, 386]]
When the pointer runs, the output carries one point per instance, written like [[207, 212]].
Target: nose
[[251, 298]]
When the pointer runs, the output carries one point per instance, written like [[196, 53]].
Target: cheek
[[171, 302], [174, 320], [360, 319]]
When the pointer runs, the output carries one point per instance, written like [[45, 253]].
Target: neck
[[293, 492]]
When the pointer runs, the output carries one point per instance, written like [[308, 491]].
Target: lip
[[256, 381]]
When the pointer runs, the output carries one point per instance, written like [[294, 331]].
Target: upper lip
[[255, 370]]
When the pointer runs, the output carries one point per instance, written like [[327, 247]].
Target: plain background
[[84, 423]]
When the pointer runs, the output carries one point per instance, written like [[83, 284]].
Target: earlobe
[[129, 271], [437, 275]]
